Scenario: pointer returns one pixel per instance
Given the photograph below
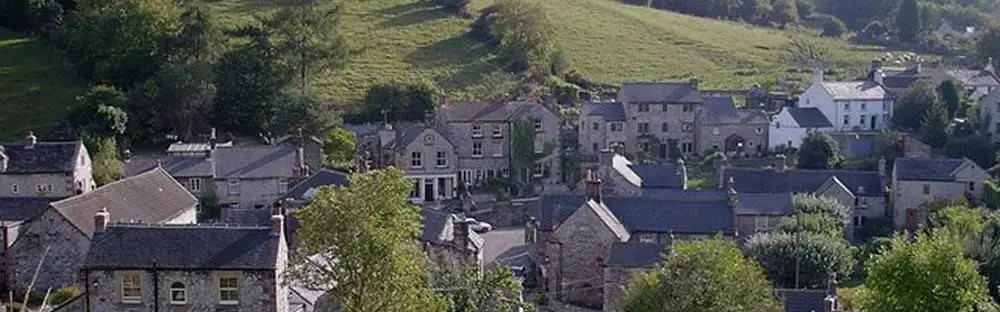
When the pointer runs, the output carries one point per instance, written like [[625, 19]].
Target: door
[[429, 190], [911, 219], [874, 118]]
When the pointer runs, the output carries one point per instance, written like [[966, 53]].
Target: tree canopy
[[909, 111], [818, 151], [801, 260], [908, 20]]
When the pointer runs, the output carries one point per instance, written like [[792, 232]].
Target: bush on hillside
[[831, 25]]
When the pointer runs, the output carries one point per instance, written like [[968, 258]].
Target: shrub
[[991, 196], [63, 294]]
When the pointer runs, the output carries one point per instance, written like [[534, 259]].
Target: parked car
[[478, 226]]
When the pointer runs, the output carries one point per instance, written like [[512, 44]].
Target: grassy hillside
[[406, 40], [34, 89]]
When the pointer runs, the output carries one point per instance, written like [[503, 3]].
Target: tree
[[248, 82], [797, 260], [198, 36], [120, 42], [784, 12], [295, 110], [832, 26], [818, 151], [180, 100], [908, 20], [492, 290], [399, 102], [934, 128], [106, 166], [804, 8], [874, 30], [339, 148], [307, 38], [951, 95], [525, 152], [456, 6], [988, 45], [930, 273], [704, 275], [909, 111], [382, 270], [99, 112], [890, 145], [816, 214], [524, 32], [751, 10]]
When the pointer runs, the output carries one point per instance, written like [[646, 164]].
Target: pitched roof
[[802, 300], [41, 157], [439, 227], [23, 208], [484, 111], [920, 169], [610, 111], [323, 177], [855, 90], [243, 216], [809, 117], [648, 176], [749, 180], [609, 219], [151, 197], [258, 161], [644, 214], [635, 255], [975, 78], [764, 203], [195, 247], [675, 92], [719, 109], [404, 137]]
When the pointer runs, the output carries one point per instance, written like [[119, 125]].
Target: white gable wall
[[784, 131]]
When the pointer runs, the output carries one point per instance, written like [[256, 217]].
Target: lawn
[[35, 90]]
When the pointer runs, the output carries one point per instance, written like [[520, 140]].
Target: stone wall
[[67, 249], [616, 279], [586, 243], [257, 291]]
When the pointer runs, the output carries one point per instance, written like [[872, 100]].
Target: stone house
[[863, 192], [449, 243], [238, 176], [427, 156], [917, 182], [44, 169], [602, 126], [15, 212], [58, 239], [863, 105], [660, 113], [723, 127], [625, 262], [146, 267], [482, 135], [792, 124], [620, 177], [761, 212]]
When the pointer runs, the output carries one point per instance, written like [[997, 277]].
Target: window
[[416, 160], [847, 107], [496, 131], [688, 107], [859, 221], [687, 147], [686, 127], [442, 159], [777, 125], [807, 101], [505, 172], [927, 189], [864, 107], [477, 131], [847, 119], [229, 292], [194, 184], [490, 173], [538, 125], [14, 188], [647, 238], [642, 127], [131, 287], [759, 130], [498, 151], [43, 188], [664, 127], [477, 149], [178, 295], [972, 186], [234, 187], [617, 127], [597, 126], [539, 144], [537, 171], [479, 174], [596, 147], [760, 223], [644, 147], [862, 120], [715, 131], [282, 186], [415, 192], [643, 107]]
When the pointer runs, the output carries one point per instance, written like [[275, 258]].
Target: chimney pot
[[780, 163], [277, 225], [881, 167], [31, 139], [101, 220]]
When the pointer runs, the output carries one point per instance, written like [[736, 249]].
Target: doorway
[[429, 190]]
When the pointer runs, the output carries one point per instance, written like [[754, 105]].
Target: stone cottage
[[58, 239], [44, 169], [146, 267], [723, 127], [620, 177], [660, 114], [449, 243], [602, 126], [15, 212], [917, 182]]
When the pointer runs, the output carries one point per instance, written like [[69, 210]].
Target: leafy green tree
[[909, 111], [934, 128], [804, 8], [976, 147], [308, 39], [889, 146], [908, 20], [705, 275], [339, 148], [99, 112], [951, 95], [805, 259], [300, 110], [382, 270], [818, 151], [398, 102], [492, 290], [106, 166], [524, 32], [248, 82], [832, 26], [929, 273], [988, 45], [784, 12], [751, 10], [816, 214], [120, 42], [180, 100], [199, 36]]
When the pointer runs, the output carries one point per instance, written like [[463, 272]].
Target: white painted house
[[863, 105], [791, 125]]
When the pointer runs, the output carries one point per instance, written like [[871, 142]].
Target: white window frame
[[716, 131], [442, 159], [477, 130], [182, 290], [537, 170], [131, 281], [233, 290], [847, 119], [497, 131], [617, 127], [14, 188], [416, 160], [194, 184], [538, 125], [282, 185], [647, 238], [498, 152], [477, 152], [233, 187]]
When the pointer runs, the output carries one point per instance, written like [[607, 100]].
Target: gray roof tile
[[483, 111], [151, 197], [23, 208], [919, 169], [719, 109], [673, 92], [194, 247], [259, 161], [42, 157], [658, 176], [748, 180], [764, 204], [809, 117], [855, 90], [610, 111], [646, 214], [324, 177], [635, 255]]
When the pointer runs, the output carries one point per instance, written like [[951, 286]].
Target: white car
[[478, 226]]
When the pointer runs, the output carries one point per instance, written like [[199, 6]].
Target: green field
[[35, 90]]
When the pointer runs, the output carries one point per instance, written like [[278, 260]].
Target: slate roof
[[802, 300], [648, 176], [243, 216], [672, 92], [645, 214], [748, 180], [635, 255], [484, 111], [323, 177], [919, 169], [610, 111], [855, 90], [183, 247], [151, 197], [406, 136], [609, 219], [23, 208], [42, 157], [439, 228], [719, 109], [809, 117], [976, 78], [259, 161], [764, 204]]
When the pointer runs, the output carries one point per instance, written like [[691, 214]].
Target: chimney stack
[[460, 232], [830, 303], [212, 139], [593, 188], [127, 154], [101, 220], [277, 225], [733, 197], [694, 82], [780, 163], [682, 172], [300, 154], [31, 139], [605, 157], [881, 167], [878, 76], [817, 76]]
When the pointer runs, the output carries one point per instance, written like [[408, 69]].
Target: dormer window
[[477, 131]]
